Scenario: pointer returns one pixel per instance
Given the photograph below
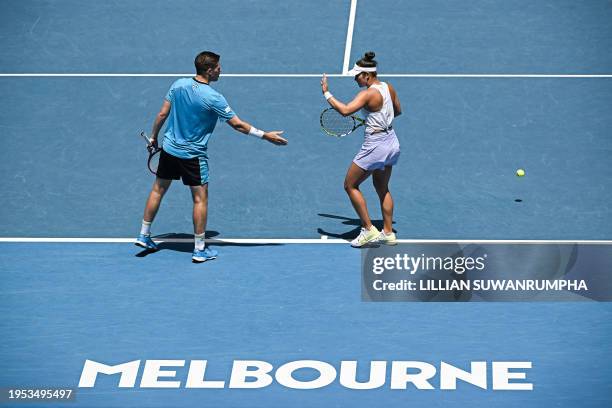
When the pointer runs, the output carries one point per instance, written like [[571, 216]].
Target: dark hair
[[368, 60], [204, 61]]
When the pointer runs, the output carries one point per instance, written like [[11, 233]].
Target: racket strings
[[336, 124], [153, 161]]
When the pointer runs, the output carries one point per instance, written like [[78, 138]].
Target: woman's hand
[[324, 87]]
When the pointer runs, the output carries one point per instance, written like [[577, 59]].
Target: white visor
[[358, 70]]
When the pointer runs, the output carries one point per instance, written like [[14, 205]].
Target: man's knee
[[159, 191], [161, 186], [199, 194]]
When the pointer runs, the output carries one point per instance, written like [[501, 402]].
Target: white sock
[[199, 241], [146, 228]]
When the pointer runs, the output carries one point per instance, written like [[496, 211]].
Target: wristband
[[328, 95], [256, 132]]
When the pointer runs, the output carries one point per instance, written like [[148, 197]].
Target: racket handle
[[147, 138]]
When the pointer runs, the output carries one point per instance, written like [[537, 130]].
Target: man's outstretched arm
[[241, 126]]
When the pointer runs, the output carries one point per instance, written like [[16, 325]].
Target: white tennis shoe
[[387, 239], [365, 237]]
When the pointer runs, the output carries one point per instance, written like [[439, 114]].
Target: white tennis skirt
[[379, 150]]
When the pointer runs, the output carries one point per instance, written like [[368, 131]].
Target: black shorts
[[193, 172]]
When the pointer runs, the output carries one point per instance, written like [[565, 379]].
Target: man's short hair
[[205, 60]]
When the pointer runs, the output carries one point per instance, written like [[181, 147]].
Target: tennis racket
[[334, 124], [153, 159]]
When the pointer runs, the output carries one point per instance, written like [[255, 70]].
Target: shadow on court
[[348, 221], [187, 246], [179, 235]]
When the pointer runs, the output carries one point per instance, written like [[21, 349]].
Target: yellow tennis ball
[[520, 172]]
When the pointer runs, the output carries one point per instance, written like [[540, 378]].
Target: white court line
[[349, 37], [496, 75], [119, 75], [124, 75], [294, 241]]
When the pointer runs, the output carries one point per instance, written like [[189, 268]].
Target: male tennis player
[[380, 149], [193, 107]]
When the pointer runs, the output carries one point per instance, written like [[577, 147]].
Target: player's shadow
[[187, 245], [348, 221]]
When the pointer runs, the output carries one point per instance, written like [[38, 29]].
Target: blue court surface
[[487, 87]]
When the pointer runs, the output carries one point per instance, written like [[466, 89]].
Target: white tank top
[[380, 120]]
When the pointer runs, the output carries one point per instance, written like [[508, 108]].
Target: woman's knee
[[382, 191], [380, 185], [350, 185]]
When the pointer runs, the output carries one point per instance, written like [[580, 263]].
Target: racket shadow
[[348, 221]]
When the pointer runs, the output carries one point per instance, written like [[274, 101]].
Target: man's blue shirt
[[193, 116]]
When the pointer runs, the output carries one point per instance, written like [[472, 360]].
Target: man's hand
[[275, 137], [153, 142], [324, 87]]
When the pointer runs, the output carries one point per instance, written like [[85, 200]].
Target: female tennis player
[[380, 149]]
